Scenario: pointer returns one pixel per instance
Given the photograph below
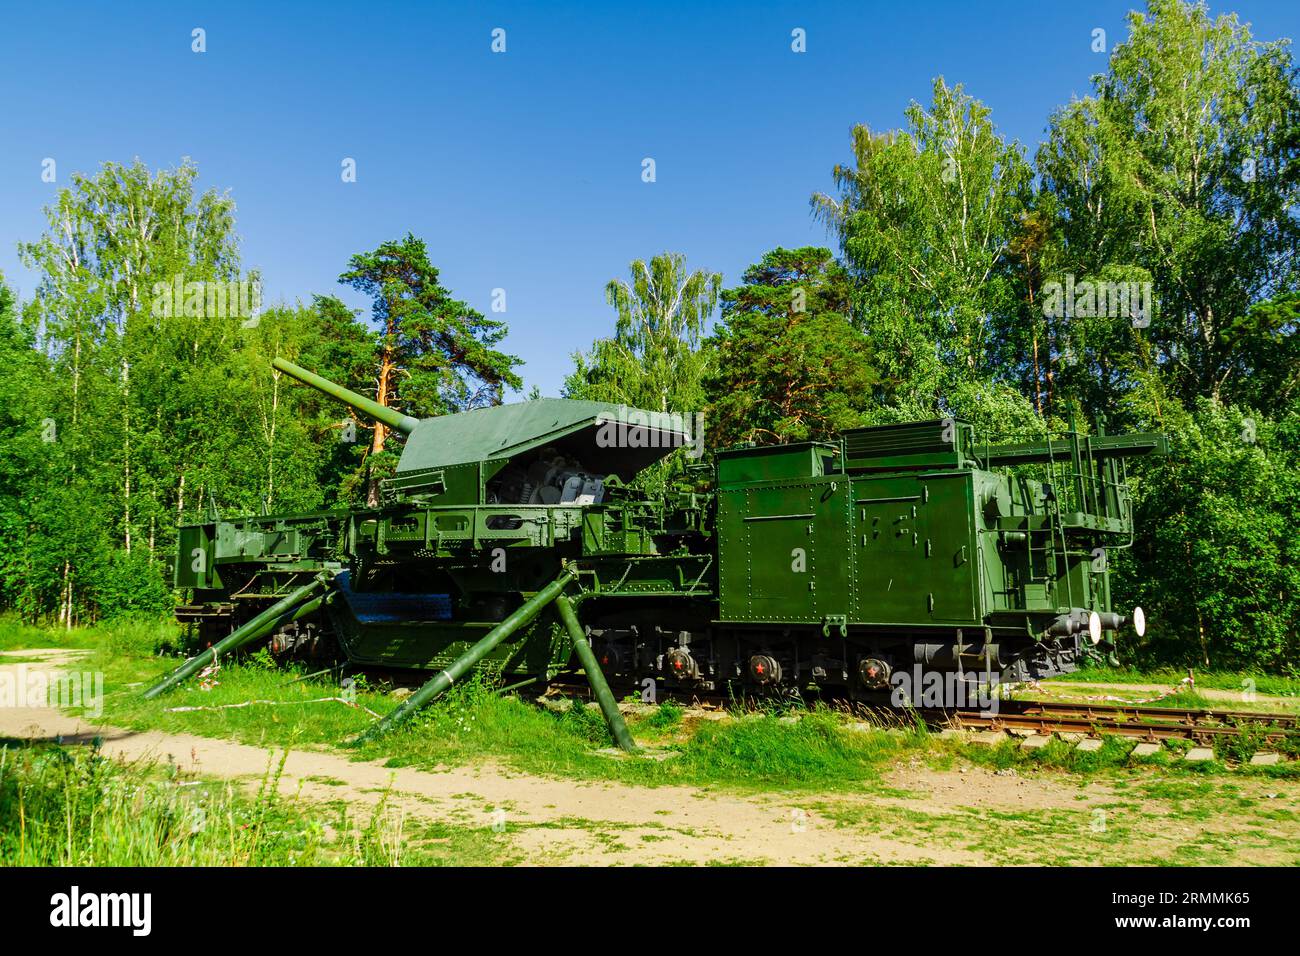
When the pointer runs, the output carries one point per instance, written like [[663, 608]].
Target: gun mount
[[544, 452]]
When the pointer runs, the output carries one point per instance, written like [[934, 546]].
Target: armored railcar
[[513, 537]]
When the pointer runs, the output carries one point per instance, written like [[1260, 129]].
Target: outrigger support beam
[[443, 680], [292, 606], [595, 676]]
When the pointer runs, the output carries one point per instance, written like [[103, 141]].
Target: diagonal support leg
[[595, 676], [441, 681], [294, 605]]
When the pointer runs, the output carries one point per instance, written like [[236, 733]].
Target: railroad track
[[1147, 723], [1127, 720], [1178, 715]]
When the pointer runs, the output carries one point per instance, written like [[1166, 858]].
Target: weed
[[666, 716], [75, 807]]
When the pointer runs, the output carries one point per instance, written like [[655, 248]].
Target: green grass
[[753, 751], [15, 635], [1263, 683], [1147, 820], [293, 716], [473, 722], [74, 807], [143, 636], [61, 807], [1115, 756], [757, 751], [666, 718]]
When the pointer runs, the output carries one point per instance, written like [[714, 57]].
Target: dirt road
[[965, 815]]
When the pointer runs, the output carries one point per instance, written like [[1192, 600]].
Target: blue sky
[[521, 170]]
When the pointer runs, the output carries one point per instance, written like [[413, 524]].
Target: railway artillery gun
[[511, 539], [489, 538]]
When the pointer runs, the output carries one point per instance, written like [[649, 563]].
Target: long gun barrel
[[381, 413]]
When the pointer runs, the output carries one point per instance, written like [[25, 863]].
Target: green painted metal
[[390, 417], [278, 614], [1101, 446], [443, 680], [451, 458], [292, 543], [904, 528], [932, 445], [504, 431], [889, 535], [595, 676]]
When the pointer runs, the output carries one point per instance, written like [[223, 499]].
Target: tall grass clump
[[473, 720], [139, 635], [665, 717], [816, 750], [16, 635], [75, 807]]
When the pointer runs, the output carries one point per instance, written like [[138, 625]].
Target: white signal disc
[[1139, 621]]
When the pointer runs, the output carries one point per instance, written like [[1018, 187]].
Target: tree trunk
[[65, 609], [270, 440], [381, 431], [126, 452]]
